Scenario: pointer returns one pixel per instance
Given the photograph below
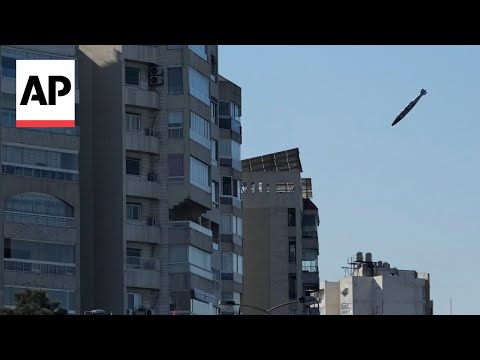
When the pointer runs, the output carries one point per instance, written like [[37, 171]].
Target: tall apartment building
[[39, 195], [375, 288], [160, 183], [280, 234]]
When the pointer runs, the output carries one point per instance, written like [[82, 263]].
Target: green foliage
[[34, 302]]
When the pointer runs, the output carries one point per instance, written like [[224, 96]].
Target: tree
[[6, 311], [34, 302]]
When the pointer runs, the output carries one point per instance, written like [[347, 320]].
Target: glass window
[[175, 165], [200, 130], [200, 50], [199, 86], [291, 217], [309, 220], [175, 118], [225, 108], [199, 173], [175, 80], [292, 286], [133, 122], [133, 166], [200, 258], [214, 151], [134, 211], [39, 251], [38, 204], [9, 67], [132, 76], [310, 260], [178, 254], [134, 301], [292, 252], [213, 112], [231, 187], [215, 193]]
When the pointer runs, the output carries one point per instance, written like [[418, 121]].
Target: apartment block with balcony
[[280, 244], [154, 224], [39, 194]]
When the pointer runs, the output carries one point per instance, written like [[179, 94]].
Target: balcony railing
[[25, 218], [191, 225], [142, 263], [39, 267]]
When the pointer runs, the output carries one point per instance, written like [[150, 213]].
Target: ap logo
[[45, 93]]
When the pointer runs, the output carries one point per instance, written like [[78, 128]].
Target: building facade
[[39, 195], [375, 288], [280, 232], [159, 185]]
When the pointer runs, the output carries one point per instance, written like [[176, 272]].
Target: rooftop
[[287, 160]]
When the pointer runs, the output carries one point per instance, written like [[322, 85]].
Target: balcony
[[139, 141], [190, 233], [139, 187], [142, 272], [190, 268], [25, 218], [309, 243], [143, 98], [142, 233], [39, 267]]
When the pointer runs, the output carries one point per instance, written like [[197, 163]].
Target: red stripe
[[45, 123]]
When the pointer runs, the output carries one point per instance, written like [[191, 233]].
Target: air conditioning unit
[[150, 132], [152, 221], [148, 312], [152, 176], [156, 75], [156, 70]]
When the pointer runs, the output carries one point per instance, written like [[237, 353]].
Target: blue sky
[[410, 193]]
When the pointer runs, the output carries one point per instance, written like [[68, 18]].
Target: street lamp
[[307, 300]]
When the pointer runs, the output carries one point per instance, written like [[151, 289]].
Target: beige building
[[375, 288], [280, 232], [157, 177]]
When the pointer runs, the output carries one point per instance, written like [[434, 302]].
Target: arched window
[[38, 208]]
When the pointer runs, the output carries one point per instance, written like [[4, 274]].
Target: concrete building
[[160, 179], [280, 232], [39, 195], [375, 288]]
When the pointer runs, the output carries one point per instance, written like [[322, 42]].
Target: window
[[134, 211], [133, 122], [200, 130], [231, 187], [200, 50], [132, 76], [133, 166], [175, 166], [345, 309], [310, 260], [230, 124], [292, 252], [175, 80], [232, 263], [232, 224], [203, 308], [175, 124], [231, 149], [213, 112], [199, 86], [134, 301], [9, 67], [215, 193], [292, 286], [214, 151], [285, 187], [230, 110], [199, 174], [39, 251], [291, 217], [174, 47], [133, 258], [34, 158], [200, 258]]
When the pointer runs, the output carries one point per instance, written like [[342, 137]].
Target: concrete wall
[[102, 75]]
